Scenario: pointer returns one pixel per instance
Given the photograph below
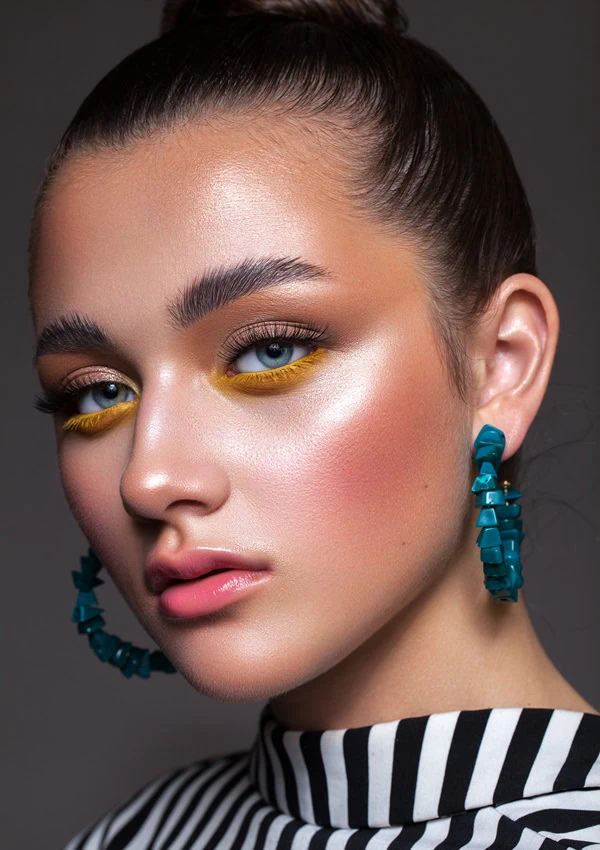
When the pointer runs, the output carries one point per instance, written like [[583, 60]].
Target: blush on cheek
[[383, 476]]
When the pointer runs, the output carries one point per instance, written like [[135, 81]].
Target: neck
[[451, 647]]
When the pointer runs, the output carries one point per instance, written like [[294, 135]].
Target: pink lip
[[205, 595], [186, 591]]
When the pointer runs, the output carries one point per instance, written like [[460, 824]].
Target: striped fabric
[[496, 778]]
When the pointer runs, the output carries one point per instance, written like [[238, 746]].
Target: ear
[[513, 349]]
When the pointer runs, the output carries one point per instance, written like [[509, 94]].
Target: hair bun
[[386, 14]]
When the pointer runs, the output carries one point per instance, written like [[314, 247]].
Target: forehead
[[145, 218]]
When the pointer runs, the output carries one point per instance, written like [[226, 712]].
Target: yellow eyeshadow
[[93, 423], [271, 379], [248, 382]]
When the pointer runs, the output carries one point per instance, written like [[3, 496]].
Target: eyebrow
[[76, 333]]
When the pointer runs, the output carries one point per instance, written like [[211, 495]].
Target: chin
[[236, 682], [238, 662], [247, 668]]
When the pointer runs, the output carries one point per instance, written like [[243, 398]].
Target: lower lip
[[201, 596]]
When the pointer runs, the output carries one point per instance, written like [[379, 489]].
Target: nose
[[171, 463], [150, 490]]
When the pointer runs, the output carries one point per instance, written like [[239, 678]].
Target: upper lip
[[161, 571]]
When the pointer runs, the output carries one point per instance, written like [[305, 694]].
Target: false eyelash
[[54, 401], [270, 332], [47, 402]]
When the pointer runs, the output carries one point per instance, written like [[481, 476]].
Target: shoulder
[[569, 818], [159, 806]]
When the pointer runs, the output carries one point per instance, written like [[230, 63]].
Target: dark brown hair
[[425, 157]]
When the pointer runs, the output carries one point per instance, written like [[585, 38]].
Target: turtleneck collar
[[418, 768]]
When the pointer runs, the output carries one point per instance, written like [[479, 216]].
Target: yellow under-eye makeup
[[270, 379], [256, 382], [93, 423]]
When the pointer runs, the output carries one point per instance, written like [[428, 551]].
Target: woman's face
[[350, 476]]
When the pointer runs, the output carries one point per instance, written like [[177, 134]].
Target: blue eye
[[266, 346], [270, 355], [105, 394]]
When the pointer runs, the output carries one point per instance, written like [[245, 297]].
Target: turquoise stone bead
[[489, 537], [515, 574], [512, 495], [85, 612], [91, 625], [113, 647], [159, 661], [129, 668], [505, 595], [504, 524], [134, 659], [104, 645], [99, 638], [144, 664], [493, 454], [86, 598], [484, 482], [510, 534], [488, 468], [93, 558], [493, 555], [489, 497], [497, 583], [487, 517], [511, 545], [495, 570], [512, 558], [145, 668], [122, 654], [138, 663], [85, 584], [490, 435], [508, 511], [88, 566]]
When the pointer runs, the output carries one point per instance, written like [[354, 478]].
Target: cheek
[[390, 469], [90, 478], [86, 485], [365, 504], [380, 448]]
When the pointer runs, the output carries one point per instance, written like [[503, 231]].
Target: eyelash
[[55, 401]]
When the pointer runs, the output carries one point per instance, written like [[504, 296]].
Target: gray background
[[78, 736]]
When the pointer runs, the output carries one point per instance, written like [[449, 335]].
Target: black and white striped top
[[496, 778]]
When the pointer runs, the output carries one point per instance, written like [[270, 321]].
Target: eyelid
[[248, 335], [56, 399]]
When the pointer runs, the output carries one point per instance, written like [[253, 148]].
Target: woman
[[302, 234]]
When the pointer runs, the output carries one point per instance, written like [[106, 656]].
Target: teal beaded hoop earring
[[128, 658], [501, 529]]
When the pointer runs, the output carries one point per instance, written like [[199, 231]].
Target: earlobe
[[515, 345]]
